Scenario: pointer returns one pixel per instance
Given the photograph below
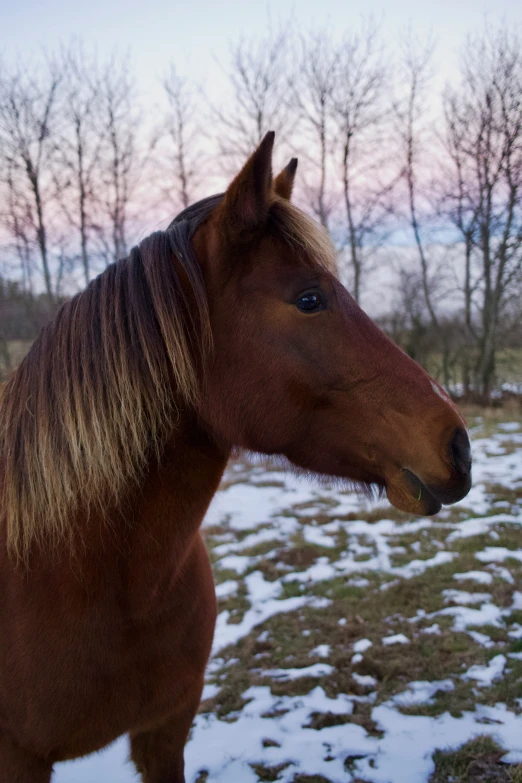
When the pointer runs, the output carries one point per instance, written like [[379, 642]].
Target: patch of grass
[[261, 549], [502, 593], [376, 515], [489, 418], [269, 773], [514, 617], [224, 575], [237, 604], [300, 556], [293, 589], [501, 493], [477, 761], [461, 699], [515, 773], [497, 635], [508, 537], [321, 720], [361, 716], [507, 689], [338, 589], [425, 658]]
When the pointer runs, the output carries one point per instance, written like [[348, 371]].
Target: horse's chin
[[407, 493]]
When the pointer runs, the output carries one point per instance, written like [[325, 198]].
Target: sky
[[196, 35]]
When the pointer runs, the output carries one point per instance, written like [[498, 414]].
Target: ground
[[356, 643]]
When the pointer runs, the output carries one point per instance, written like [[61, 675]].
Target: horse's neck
[[168, 510], [134, 555]]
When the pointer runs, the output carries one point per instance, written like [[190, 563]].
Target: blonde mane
[[304, 234], [98, 393]]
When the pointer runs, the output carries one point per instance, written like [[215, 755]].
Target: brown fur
[[115, 431]]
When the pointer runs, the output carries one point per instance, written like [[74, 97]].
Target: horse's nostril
[[460, 451]]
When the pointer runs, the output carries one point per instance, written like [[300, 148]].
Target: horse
[[229, 330]]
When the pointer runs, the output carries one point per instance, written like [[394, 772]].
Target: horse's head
[[298, 369]]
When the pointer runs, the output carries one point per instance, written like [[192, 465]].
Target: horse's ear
[[284, 181], [248, 197]]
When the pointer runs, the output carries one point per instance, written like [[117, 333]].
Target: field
[[355, 643]]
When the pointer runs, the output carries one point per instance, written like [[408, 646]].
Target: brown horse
[[227, 330]]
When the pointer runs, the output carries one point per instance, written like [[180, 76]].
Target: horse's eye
[[310, 302]]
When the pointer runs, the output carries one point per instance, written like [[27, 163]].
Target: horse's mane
[[308, 238], [95, 397]]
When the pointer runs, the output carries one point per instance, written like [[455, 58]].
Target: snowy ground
[[353, 641]]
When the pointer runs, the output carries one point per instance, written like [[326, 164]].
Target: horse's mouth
[[408, 493]]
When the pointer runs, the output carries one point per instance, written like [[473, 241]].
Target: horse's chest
[[95, 674]]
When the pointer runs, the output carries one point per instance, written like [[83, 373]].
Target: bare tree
[[484, 128], [313, 87], [28, 100], [361, 109], [463, 215], [410, 119], [123, 156], [79, 149], [181, 132], [416, 66], [258, 73]]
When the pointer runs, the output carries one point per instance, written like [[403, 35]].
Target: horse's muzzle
[[459, 453]]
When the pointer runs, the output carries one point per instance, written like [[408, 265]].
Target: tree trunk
[[354, 256], [40, 233]]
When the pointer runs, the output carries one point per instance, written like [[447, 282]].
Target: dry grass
[[478, 761]]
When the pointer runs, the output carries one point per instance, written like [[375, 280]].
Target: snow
[[397, 638], [462, 597], [226, 589], [364, 680], [281, 508], [498, 554], [501, 573], [486, 675], [362, 645], [322, 651], [238, 563], [284, 675], [488, 614], [230, 633], [513, 757], [112, 765], [417, 567], [478, 525], [421, 692], [432, 629], [481, 577], [481, 638], [209, 691], [319, 536], [509, 426]]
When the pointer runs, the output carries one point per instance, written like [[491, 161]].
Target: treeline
[[388, 160]]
